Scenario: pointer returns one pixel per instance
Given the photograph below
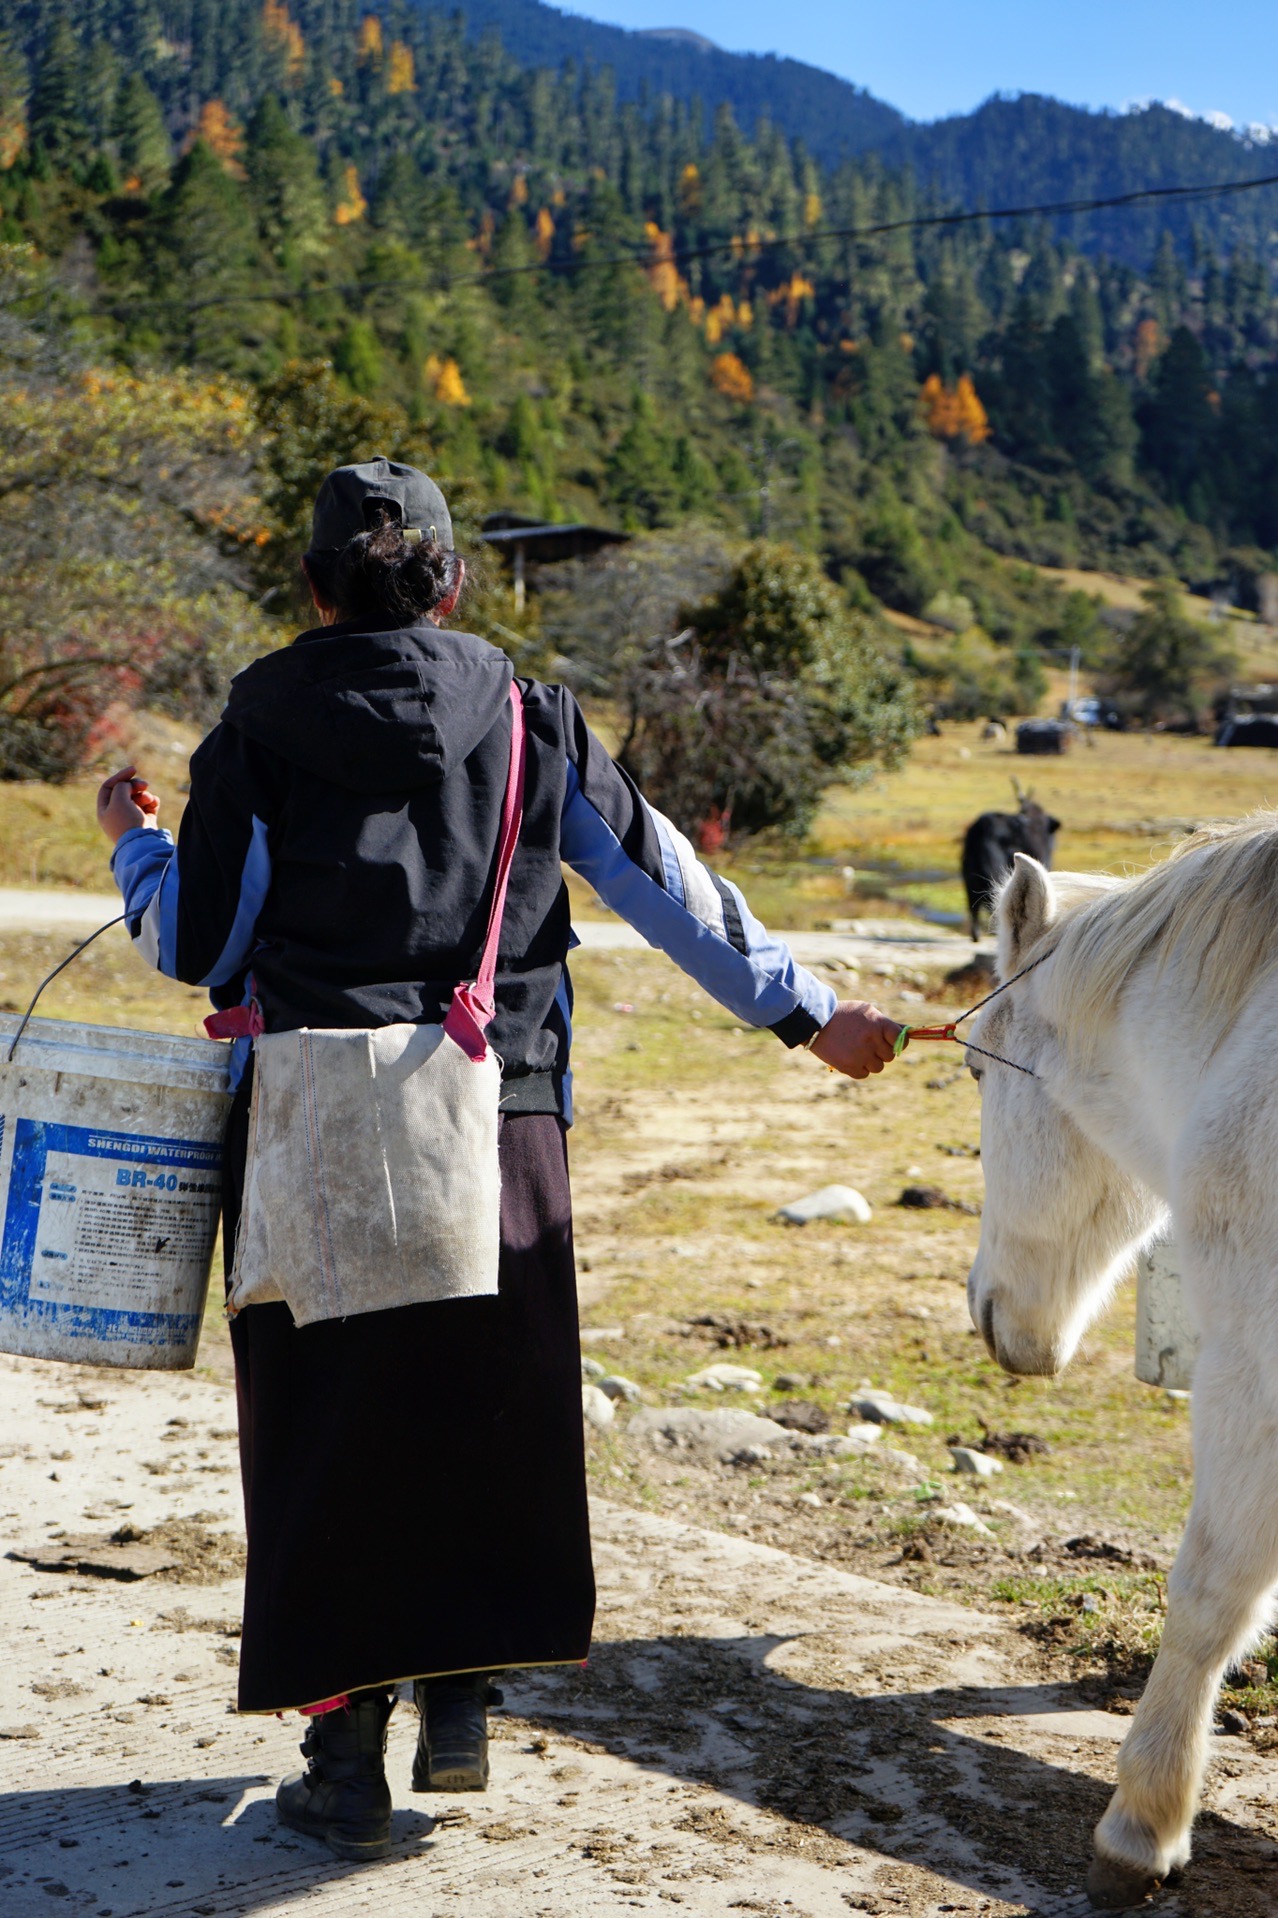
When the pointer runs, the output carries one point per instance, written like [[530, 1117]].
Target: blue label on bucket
[[107, 1235]]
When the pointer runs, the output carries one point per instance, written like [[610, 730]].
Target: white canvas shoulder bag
[[372, 1177]]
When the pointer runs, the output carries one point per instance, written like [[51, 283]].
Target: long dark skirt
[[414, 1481]]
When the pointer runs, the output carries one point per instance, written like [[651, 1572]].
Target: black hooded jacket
[[336, 858]]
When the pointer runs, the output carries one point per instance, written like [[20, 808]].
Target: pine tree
[[284, 187], [141, 137], [58, 125]]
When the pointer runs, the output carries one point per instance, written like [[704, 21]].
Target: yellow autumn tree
[[690, 189], [352, 206], [663, 274], [281, 33], [721, 319], [400, 77], [733, 378], [974, 421], [222, 134], [370, 43], [519, 190], [545, 233], [792, 295], [954, 413], [444, 379], [812, 208], [1149, 344]]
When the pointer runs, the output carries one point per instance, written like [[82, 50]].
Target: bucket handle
[[73, 954]]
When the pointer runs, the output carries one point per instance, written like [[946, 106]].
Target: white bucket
[[1166, 1343], [111, 1186]]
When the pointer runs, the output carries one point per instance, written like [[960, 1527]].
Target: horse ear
[[1026, 907]]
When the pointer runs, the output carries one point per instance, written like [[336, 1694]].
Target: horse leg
[[1218, 1595]]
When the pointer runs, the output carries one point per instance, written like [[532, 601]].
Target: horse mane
[[1212, 906]]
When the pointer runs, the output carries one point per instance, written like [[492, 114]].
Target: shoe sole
[[451, 1778], [353, 1848]]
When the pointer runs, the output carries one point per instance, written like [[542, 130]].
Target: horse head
[[1060, 1219]]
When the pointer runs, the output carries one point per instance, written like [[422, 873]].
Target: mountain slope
[[1009, 151], [1018, 151], [832, 117]]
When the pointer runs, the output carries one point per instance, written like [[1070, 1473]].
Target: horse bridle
[[951, 1031]]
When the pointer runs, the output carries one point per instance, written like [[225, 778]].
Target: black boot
[[342, 1796], [452, 1744]]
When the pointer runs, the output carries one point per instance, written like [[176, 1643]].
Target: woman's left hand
[[125, 802]]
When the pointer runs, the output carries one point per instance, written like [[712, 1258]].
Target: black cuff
[[798, 1028]]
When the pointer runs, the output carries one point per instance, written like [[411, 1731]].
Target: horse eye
[[977, 1072]]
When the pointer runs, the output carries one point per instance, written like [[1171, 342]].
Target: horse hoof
[[1115, 1887]]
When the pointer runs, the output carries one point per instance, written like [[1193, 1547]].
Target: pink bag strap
[[473, 1005]]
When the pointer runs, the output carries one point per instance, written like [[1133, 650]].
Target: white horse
[[1150, 1024]]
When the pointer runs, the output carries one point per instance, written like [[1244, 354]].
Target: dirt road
[[755, 1732]]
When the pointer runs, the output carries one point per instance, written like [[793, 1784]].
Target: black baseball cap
[[350, 499]]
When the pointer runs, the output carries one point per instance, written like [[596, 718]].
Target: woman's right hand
[[125, 801], [859, 1040]]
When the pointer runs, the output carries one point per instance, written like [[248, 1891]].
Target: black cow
[[1249, 729], [990, 844]]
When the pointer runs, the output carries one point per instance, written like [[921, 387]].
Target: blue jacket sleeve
[[192, 909], [647, 871]]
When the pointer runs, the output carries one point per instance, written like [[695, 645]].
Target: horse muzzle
[[1022, 1353]]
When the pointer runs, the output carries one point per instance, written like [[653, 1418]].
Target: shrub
[[775, 690]]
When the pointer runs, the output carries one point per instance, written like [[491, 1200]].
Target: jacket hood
[[374, 710]]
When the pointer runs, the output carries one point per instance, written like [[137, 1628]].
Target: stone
[[906, 1461], [880, 1408], [802, 1415], [812, 1499], [831, 1202], [853, 1444], [966, 1460], [601, 1334], [1233, 1724], [726, 1378], [963, 1517], [789, 1382], [597, 1408], [620, 1388], [725, 1435], [591, 1369]]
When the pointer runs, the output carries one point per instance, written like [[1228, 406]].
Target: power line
[[744, 245]]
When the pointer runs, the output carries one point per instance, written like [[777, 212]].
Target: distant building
[[534, 543]]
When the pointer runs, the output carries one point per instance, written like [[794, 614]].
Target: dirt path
[[887, 943], [755, 1732]]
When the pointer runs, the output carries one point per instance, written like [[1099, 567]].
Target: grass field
[[690, 1132]]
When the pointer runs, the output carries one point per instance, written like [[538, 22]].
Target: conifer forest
[[243, 241]]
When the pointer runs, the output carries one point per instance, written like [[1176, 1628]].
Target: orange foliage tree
[[733, 378], [400, 77], [352, 206], [222, 135], [370, 43], [281, 31], [954, 413]]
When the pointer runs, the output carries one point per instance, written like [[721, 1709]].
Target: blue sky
[[932, 57]]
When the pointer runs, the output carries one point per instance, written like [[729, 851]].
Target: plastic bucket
[[1166, 1343], [110, 1187]]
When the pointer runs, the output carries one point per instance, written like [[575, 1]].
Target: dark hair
[[379, 571]]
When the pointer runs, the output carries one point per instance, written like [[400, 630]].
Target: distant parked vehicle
[[1042, 736], [1090, 710], [991, 843], [1249, 729]]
